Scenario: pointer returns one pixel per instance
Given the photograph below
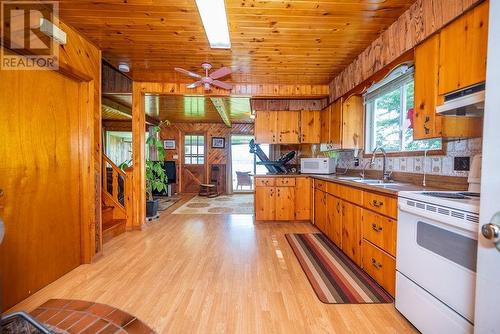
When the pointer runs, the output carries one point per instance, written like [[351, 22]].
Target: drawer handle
[[376, 264], [376, 203], [377, 228]]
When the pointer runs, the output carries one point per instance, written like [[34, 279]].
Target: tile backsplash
[[436, 165]]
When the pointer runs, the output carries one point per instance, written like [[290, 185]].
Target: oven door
[[440, 258]]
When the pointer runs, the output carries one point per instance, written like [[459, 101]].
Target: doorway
[[244, 164], [193, 173]]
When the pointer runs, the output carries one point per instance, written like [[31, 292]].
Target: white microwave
[[318, 165]]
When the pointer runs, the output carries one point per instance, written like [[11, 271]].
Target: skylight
[[213, 16]]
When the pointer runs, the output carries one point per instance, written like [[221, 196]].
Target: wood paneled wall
[[288, 104], [81, 60], [214, 156], [252, 90], [114, 82], [417, 23]]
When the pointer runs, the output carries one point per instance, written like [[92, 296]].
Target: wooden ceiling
[[182, 109], [273, 41]]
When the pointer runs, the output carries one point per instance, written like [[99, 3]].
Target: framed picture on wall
[[169, 144], [218, 142]]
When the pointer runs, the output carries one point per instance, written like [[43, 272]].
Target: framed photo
[[169, 144], [218, 142]]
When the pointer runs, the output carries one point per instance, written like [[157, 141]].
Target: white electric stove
[[436, 260]]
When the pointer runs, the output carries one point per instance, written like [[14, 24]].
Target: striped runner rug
[[335, 278]]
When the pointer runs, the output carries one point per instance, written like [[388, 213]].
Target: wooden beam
[[138, 157], [220, 105], [243, 90], [126, 110]]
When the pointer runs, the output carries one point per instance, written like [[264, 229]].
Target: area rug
[[78, 316], [334, 277], [225, 204]]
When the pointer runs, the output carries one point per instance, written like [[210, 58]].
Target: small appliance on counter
[[318, 165]]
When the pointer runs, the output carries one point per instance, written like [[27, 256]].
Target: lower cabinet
[[285, 203], [282, 198], [351, 231], [334, 211], [320, 210], [265, 203], [379, 265]]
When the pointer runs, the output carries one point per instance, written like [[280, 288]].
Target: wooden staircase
[[115, 208]]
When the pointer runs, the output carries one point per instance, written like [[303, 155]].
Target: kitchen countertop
[[391, 188]]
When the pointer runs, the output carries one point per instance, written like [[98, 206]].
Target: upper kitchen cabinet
[[310, 126], [265, 127], [453, 59], [287, 127], [462, 52], [342, 123], [352, 123]]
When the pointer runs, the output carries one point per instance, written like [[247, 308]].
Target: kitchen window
[[388, 106], [194, 149]]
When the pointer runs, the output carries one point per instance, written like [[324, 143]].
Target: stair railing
[[117, 189]]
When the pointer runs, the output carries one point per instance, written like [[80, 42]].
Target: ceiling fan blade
[[223, 85], [221, 72], [186, 72], [194, 84]]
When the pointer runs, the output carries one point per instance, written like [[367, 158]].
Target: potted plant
[[156, 179]]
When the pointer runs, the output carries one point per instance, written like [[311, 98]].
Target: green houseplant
[[156, 179]]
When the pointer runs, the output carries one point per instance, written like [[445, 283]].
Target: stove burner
[[469, 194], [446, 195]]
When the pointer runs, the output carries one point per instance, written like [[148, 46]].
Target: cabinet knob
[[376, 264]]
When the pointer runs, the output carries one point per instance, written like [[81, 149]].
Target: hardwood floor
[[214, 274]]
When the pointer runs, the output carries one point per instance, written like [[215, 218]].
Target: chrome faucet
[[386, 174]]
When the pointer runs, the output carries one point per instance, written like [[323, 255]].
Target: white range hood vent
[[466, 102]]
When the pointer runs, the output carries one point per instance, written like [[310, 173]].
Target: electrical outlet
[[462, 164], [356, 162]]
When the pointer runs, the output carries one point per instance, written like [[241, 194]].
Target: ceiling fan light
[[214, 18]]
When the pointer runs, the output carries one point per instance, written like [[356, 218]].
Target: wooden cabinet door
[[351, 231], [287, 129], [380, 266], [336, 122], [265, 127], [334, 219], [310, 127], [335, 213], [320, 210], [285, 203], [353, 123], [426, 122], [303, 189], [265, 203], [462, 53], [325, 126]]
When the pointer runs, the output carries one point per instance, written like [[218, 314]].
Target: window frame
[[399, 77], [194, 156]]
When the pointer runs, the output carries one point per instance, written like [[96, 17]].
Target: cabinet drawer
[[285, 182], [321, 185], [382, 204], [380, 230], [351, 194], [264, 181], [380, 266], [332, 189]]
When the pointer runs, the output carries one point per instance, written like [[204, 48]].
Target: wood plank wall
[[82, 59], [214, 156], [419, 22], [288, 104]]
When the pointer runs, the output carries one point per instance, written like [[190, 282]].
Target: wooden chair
[[243, 179], [211, 189]]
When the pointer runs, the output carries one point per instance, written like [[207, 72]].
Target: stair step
[[107, 214], [113, 228]]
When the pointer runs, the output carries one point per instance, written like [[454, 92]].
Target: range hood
[[465, 102]]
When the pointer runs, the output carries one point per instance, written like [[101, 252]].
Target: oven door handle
[[440, 219]]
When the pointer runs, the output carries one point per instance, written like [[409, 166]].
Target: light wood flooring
[[214, 274]]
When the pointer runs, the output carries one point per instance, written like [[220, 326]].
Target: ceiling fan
[[209, 79]]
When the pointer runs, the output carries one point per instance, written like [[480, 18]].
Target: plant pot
[[152, 208]]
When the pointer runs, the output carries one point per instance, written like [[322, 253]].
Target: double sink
[[374, 182]]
